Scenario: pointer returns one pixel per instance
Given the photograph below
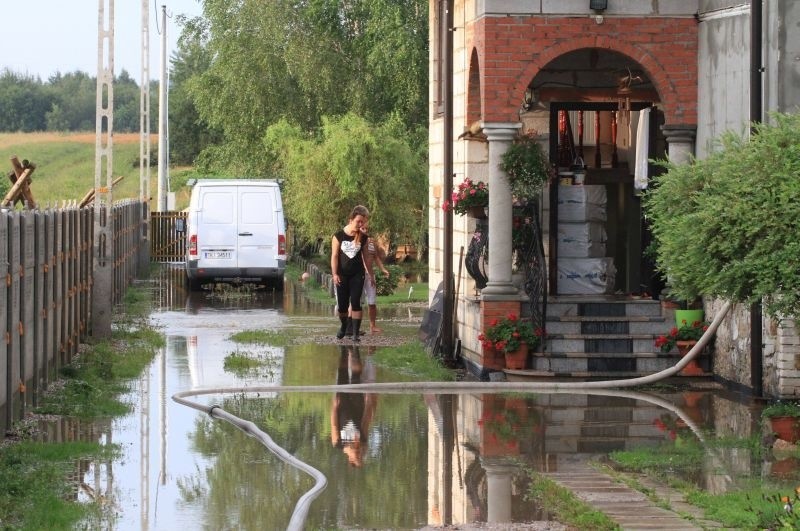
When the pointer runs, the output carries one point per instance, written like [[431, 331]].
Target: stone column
[[499, 473], [499, 286], [680, 141]]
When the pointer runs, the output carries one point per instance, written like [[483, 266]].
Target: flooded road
[[392, 461]]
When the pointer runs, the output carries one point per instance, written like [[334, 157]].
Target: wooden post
[[614, 159], [597, 157], [89, 197], [22, 180], [26, 190]]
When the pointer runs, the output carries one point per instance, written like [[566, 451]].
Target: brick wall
[[511, 50]]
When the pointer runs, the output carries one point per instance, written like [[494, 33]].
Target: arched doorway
[[602, 113]]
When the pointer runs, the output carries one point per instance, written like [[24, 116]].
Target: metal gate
[[167, 244]]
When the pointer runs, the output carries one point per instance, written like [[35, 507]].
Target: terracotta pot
[[477, 212], [785, 428], [784, 468], [693, 368], [517, 359]]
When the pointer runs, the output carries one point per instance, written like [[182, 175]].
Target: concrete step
[[616, 343], [643, 325], [580, 305], [608, 364], [518, 375]]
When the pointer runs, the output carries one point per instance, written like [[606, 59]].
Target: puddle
[[392, 461]]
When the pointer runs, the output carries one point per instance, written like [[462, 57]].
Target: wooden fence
[[47, 262], [167, 244]]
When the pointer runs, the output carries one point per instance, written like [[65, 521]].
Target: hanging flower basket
[[477, 212]]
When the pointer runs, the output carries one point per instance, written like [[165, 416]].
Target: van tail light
[[193, 245], [281, 244]]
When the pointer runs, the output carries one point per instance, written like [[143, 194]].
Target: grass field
[[65, 165]]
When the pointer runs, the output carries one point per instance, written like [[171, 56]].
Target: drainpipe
[[756, 72], [447, 139]]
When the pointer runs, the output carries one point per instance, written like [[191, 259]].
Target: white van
[[235, 233]]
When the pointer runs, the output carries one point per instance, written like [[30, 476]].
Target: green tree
[[728, 226], [189, 134], [302, 60], [75, 95], [351, 162], [23, 103]]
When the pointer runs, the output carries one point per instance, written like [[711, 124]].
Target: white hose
[[593, 387], [300, 512]]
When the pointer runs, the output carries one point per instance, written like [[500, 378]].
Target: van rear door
[[258, 227], [217, 228]]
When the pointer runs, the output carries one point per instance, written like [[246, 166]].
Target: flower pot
[[693, 368], [785, 428], [517, 359], [785, 468], [477, 212], [690, 316]]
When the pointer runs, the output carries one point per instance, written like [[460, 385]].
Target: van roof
[[236, 182]]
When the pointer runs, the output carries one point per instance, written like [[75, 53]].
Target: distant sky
[[42, 37]]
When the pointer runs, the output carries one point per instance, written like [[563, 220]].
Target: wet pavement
[[392, 461]]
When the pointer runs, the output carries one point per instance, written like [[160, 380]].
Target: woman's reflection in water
[[352, 413]]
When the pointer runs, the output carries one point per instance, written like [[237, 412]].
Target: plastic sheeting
[[586, 276], [581, 240], [582, 203]]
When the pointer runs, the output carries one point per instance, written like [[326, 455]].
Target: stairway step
[[602, 343], [605, 318], [553, 355], [530, 374], [601, 336]]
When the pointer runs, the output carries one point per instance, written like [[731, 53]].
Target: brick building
[[615, 84]]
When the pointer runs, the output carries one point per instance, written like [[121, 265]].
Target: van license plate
[[217, 255]]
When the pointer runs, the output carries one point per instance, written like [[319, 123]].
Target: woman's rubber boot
[[343, 318], [356, 329], [348, 331]]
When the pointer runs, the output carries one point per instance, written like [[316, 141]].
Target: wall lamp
[[528, 99], [598, 5]]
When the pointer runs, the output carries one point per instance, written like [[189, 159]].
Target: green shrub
[[386, 286], [726, 226]]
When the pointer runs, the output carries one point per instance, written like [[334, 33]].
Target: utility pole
[[163, 170], [103, 251], [144, 141]]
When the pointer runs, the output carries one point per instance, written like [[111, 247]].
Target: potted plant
[[684, 338], [513, 337], [783, 416], [471, 197], [525, 163], [505, 422]]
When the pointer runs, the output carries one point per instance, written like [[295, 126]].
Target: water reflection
[[424, 459], [352, 413]]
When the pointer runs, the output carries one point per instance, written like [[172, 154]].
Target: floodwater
[[391, 461]]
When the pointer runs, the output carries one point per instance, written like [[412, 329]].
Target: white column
[[498, 486], [680, 142], [499, 286]]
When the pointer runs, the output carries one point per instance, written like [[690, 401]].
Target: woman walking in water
[[347, 266]]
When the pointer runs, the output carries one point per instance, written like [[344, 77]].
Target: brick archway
[[520, 47]]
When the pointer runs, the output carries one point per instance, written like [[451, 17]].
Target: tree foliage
[[350, 163], [66, 102], [728, 226], [301, 60]]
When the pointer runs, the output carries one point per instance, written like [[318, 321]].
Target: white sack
[[581, 240], [586, 276], [582, 203]]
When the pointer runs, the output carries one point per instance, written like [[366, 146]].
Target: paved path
[[630, 508]]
